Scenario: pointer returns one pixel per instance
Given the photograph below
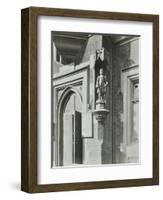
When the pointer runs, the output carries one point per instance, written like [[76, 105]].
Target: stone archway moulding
[[66, 84], [68, 91]]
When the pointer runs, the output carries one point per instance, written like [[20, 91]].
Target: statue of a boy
[[101, 84]]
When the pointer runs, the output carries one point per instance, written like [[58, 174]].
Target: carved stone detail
[[101, 84]]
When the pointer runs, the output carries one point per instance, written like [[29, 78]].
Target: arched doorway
[[69, 139]]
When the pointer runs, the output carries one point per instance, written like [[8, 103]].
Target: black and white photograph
[[90, 99], [95, 99]]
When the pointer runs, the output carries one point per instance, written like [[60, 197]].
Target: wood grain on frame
[[29, 99]]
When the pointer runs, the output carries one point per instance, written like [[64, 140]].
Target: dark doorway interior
[[72, 139]]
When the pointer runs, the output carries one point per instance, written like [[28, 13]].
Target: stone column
[[100, 110]]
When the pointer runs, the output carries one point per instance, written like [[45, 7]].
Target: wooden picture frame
[[29, 112]]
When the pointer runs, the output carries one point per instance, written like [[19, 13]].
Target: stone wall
[[107, 138], [124, 56], [117, 56]]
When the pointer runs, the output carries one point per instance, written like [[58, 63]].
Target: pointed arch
[[64, 98]]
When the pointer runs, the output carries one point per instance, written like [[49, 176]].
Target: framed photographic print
[[90, 99]]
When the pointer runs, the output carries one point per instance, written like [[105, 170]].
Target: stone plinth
[[100, 114], [100, 105]]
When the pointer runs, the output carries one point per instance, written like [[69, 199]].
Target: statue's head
[[101, 71]]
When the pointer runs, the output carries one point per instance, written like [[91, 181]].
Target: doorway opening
[[70, 147]]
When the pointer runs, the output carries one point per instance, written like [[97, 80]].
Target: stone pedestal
[[100, 115]]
